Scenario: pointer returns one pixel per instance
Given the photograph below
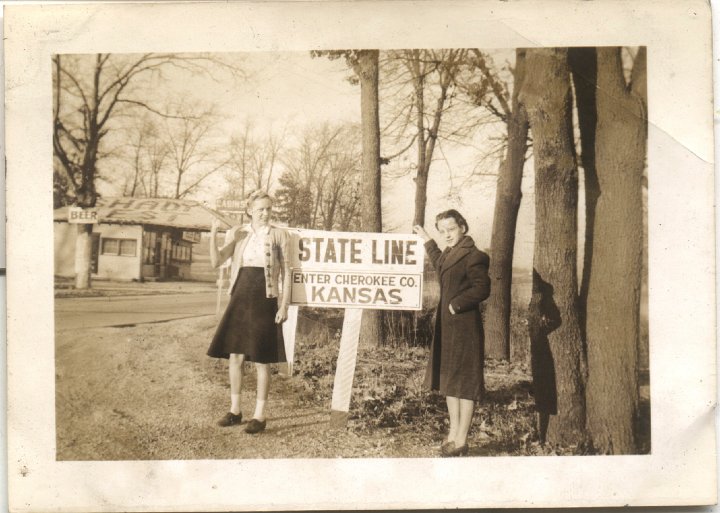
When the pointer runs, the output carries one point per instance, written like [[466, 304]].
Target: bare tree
[[339, 204], [431, 75], [365, 64], [266, 157], [558, 360], [310, 162], [492, 94], [90, 91], [613, 306], [254, 159], [192, 147], [320, 185], [239, 162], [148, 154], [156, 156], [583, 66]]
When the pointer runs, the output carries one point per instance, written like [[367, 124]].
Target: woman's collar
[[264, 230]]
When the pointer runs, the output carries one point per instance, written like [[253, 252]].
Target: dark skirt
[[248, 326]]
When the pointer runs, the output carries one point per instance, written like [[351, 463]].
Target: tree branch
[[496, 87]]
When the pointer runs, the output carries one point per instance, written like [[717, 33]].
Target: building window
[[181, 251], [110, 246], [128, 247], [119, 247], [150, 241]]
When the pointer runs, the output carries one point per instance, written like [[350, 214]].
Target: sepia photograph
[[537, 156], [313, 254]]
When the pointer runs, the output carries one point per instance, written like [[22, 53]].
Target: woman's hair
[[259, 194], [452, 214]]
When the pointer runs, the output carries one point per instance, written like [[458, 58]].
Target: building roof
[[175, 213]]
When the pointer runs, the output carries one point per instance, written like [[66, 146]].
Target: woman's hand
[[281, 315], [421, 232]]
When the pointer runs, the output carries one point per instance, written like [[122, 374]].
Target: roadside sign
[[354, 271], [78, 215], [230, 205], [382, 271]]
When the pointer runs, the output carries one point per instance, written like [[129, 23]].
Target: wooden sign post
[[345, 370], [354, 271]]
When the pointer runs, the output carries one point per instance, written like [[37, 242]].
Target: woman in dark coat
[[455, 368]]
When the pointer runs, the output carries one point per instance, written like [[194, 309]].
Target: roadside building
[[138, 238]]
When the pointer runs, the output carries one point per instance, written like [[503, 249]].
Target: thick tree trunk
[[583, 64], [85, 198], [372, 329], [556, 345], [613, 300], [83, 256], [507, 204], [421, 180]]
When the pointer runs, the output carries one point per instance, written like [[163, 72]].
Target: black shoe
[[255, 426], [446, 448], [454, 451], [230, 419]]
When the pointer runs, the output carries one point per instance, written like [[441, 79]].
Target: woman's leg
[[235, 369], [453, 405], [263, 387], [466, 412]]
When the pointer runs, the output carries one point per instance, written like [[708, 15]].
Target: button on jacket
[[276, 259]]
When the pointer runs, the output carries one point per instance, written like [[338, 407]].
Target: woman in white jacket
[[251, 328]]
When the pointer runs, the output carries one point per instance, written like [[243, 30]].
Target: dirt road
[[149, 392], [81, 313]]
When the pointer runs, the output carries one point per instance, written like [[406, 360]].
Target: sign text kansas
[[356, 270]]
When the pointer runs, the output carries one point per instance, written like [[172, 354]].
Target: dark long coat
[[457, 353]]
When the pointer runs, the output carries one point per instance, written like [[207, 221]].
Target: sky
[[290, 90]]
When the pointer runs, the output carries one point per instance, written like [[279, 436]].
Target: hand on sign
[[281, 315], [421, 232]]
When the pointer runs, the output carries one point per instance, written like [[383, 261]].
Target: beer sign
[[78, 215]]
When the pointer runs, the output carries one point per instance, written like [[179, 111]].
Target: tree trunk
[[613, 299], [83, 256], [583, 64], [507, 204], [372, 329], [421, 177], [177, 185], [556, 344], [86, 197]]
